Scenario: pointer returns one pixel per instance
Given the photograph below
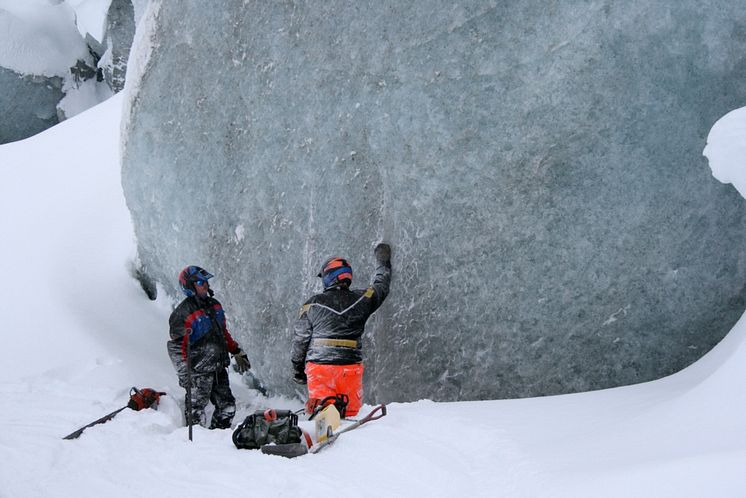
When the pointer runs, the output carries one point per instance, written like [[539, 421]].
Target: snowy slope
[[78, 333]]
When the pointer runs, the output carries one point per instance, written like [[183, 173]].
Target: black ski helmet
[[191, 274], [336, 271]]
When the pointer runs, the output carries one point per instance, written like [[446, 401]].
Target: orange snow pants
[[330, 380]]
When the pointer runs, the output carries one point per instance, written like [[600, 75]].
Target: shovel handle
[[372, 416]]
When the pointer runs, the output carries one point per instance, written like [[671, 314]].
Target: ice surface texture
[[120, 31], [536, 168], [28, 104]]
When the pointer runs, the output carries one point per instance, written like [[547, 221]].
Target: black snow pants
[[212, 387]]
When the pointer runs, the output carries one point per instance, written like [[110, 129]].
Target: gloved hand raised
[[242, 361], [382, 252]]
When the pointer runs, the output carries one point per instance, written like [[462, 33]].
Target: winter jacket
[[210, 340], [331, 324]]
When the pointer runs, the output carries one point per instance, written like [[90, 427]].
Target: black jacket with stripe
[[331, 324]]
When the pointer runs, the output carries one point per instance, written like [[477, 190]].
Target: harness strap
[[341, 343], [369, 292]]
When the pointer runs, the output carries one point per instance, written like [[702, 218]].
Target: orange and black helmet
[[336, 271]]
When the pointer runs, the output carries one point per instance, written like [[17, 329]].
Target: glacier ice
[[536, 167], [28, 105]]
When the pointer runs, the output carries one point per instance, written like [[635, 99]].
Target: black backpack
[[267, 427]]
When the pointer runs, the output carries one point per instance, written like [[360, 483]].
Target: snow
[[726, 149], [79, 332], [39, 37], [86, 95], [90, 17]]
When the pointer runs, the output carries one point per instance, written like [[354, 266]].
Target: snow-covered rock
[[58, 59]]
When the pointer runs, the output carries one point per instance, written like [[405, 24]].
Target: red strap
[[307, 436], [184, 346]]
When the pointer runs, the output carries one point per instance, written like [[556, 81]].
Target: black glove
[[382, 252], [242, 361], [300, 376]]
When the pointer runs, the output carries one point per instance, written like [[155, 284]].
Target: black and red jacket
[[203, 320]]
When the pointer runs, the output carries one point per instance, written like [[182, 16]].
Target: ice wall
[[535, 165]]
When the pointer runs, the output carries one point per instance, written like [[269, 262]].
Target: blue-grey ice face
[[120, 31], [536, 168], [28, 104]]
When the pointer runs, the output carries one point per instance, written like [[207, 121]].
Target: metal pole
[[189, 383]]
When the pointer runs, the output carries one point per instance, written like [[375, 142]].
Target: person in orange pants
[[330, 380], [327, 353]]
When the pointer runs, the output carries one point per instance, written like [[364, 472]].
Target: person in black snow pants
[[200, 319], [327, 354]]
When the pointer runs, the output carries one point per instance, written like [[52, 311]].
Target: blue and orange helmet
[[336, 271], [189, 276]]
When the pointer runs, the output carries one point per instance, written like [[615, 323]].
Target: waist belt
[[342, 343]]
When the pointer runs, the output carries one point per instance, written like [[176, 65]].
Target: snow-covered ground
[[78, 332]]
